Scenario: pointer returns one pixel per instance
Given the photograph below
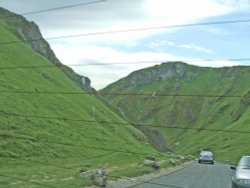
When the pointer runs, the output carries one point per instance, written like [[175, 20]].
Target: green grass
[[85, 145]]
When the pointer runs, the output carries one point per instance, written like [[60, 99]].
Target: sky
[[106, 58]]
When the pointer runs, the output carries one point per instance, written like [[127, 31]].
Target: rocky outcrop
[[29, 33], [163, 72]]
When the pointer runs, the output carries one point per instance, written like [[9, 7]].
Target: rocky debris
[[123, 182], [181, 157], [190, 157], [99, 177], [151, 161], [172, 161], [87, 174]]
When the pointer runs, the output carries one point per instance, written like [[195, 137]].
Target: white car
[[241, 178], [206, 157]]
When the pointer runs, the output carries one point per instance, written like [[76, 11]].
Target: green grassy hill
[[180, 97], [48, 133]]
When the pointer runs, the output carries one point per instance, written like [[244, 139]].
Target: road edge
[[131, 182]]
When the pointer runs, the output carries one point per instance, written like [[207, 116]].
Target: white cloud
[[217, 31], [215, 64], [163, 43], [184, 11], [236, 4], [197, 48]]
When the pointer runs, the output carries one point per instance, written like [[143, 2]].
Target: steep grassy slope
[[29, 31], [57, 144], [184, 96]]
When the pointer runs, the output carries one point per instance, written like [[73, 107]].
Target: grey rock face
[[163, 72], [156, 138]]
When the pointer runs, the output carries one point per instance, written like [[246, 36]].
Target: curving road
[[194, 176]]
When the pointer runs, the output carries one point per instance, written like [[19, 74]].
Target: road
[[194, 176]]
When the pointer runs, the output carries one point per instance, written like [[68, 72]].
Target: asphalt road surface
[[194, 176]]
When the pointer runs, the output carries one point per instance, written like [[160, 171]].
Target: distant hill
[[50, 127], [179, 97]]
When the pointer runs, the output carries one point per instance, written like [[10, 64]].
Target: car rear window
[[245, 161], [208, 153]]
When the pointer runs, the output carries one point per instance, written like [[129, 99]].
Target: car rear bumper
[[206, 160]]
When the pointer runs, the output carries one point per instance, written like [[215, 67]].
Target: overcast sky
[[120, 52]]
